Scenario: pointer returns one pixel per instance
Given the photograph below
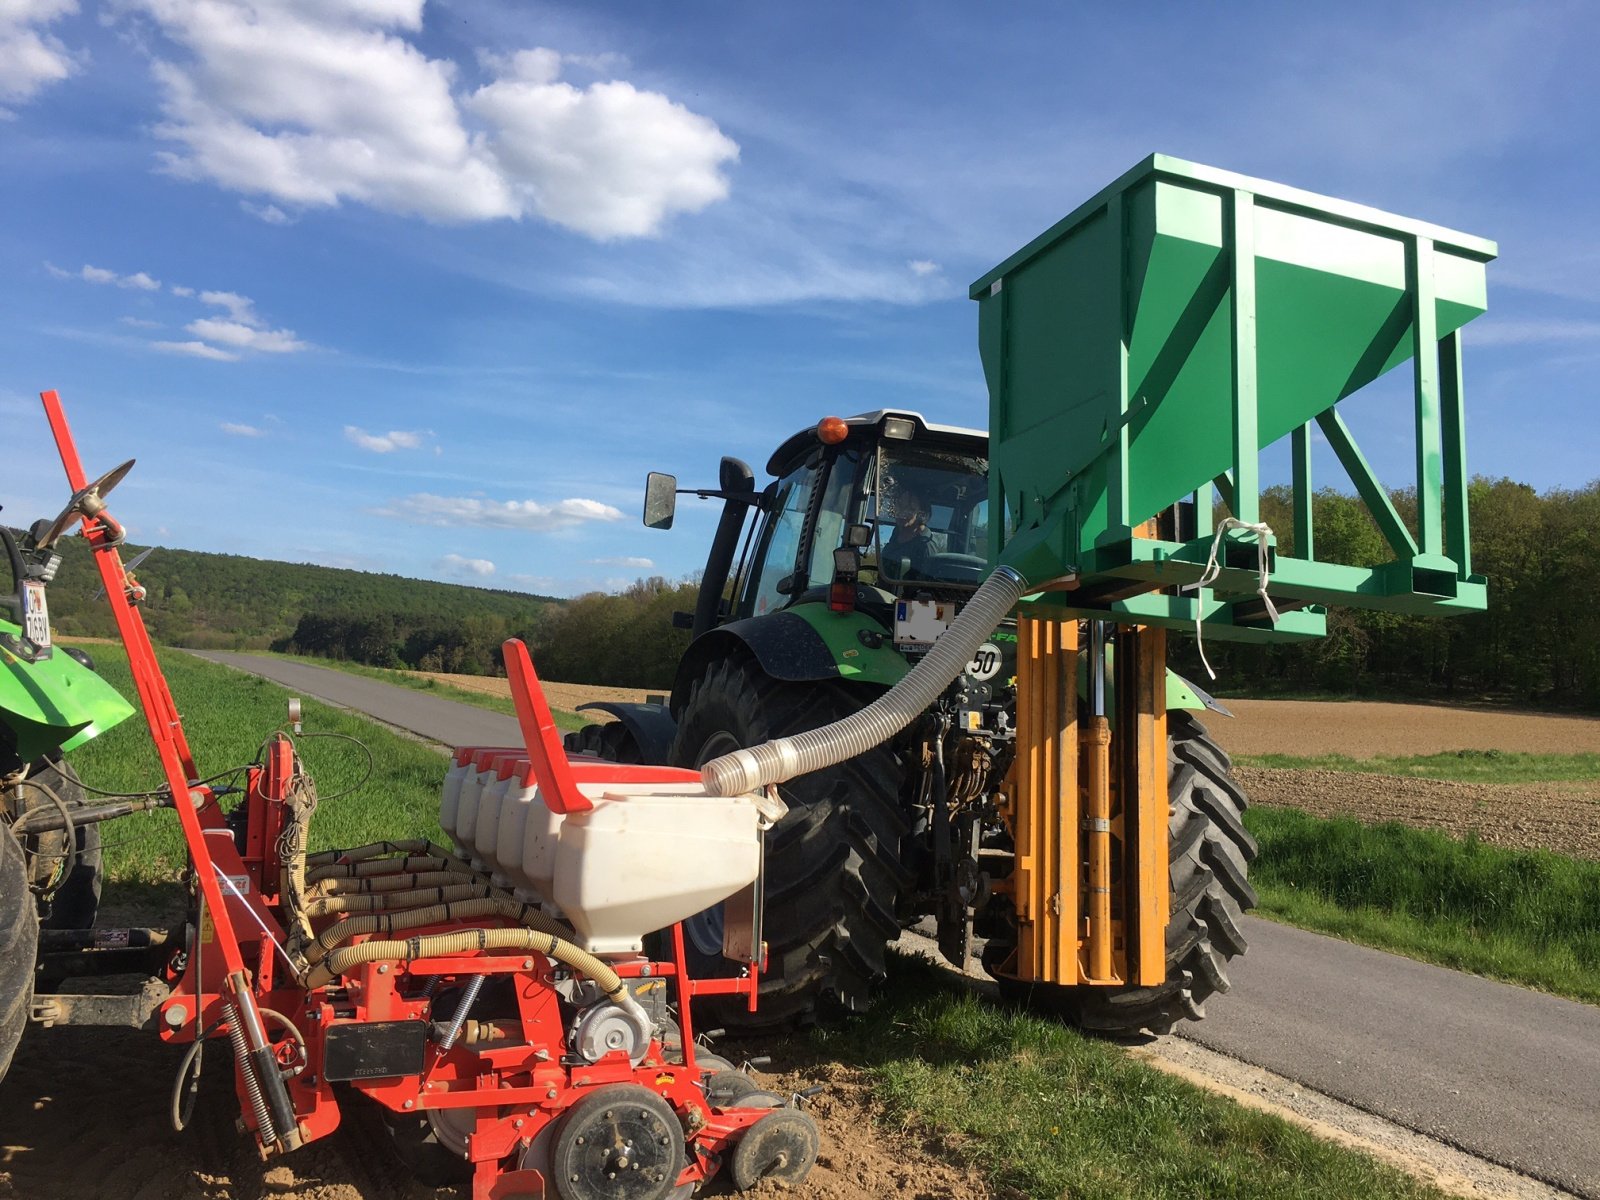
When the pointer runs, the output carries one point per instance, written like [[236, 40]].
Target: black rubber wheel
[[782, 1146], [19, 938], [1211, 852], [833, 869], [416, 1145], [76, 901], [620, 1142], [726, 1088], [610, 741]]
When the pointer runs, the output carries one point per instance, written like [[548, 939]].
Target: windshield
[[931, 516]]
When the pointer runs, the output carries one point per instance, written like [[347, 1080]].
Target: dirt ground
[[85, 1117]]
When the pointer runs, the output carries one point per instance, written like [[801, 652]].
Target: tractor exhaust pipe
[[782, 759]]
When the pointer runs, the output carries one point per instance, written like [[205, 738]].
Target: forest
[[1538, 643]]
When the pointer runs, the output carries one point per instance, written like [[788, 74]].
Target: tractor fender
[[650, 725], [798, 645]]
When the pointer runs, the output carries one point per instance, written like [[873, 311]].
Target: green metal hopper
[[1153, 342]]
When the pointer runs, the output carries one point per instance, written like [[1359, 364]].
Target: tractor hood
[[56, 703]]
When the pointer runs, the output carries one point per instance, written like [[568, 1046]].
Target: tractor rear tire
[[19, 937], [833, 869], [1211, 852], [611, 741]]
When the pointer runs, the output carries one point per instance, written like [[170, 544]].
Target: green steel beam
[[1305, 545], [1452, 420], [1425, 357], [1367, 486]]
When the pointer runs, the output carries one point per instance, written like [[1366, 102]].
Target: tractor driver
[[911, 544]]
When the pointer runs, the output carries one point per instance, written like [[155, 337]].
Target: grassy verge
[[1467, 766], [1040, 1109], [499, 704], [1525, 916], [226, 715]]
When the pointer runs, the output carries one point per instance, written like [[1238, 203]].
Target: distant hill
[[229, 601]]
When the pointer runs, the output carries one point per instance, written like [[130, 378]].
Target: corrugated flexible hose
[[784, 758]]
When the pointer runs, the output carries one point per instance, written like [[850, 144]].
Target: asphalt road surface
[[1506, 1074]]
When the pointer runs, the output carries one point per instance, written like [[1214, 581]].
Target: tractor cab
[[864, 513]]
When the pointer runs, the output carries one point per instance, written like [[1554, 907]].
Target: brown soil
[[1563, 817], [561, 695], [1372, 729]]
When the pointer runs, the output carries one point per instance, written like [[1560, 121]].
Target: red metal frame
[[517, 1088]]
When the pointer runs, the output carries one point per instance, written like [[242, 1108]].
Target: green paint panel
[[857, 661], [54, 703], [1108, 344]]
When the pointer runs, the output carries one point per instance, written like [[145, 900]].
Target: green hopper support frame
[[1152, 343]]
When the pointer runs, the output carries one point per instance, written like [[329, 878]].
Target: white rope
[[1263, 531]]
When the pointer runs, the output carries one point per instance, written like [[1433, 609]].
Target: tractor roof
[[795, 443]]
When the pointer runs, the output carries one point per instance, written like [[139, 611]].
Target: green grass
[[499, 704], [1043, 1110], [1525, 916], [1469, 766], [227, 715]]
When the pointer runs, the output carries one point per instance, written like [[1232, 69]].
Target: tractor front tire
[[1210, 855], [833, 869], [19, 937]]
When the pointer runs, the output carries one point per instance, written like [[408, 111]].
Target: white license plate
[[35, 614], [918, 623]]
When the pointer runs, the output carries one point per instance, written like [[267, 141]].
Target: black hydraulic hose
[[49, 821], [183, 1102]]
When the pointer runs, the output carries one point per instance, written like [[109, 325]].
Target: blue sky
[[428, 288]]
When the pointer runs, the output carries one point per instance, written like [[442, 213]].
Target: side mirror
[[660, 500], [859, 536]]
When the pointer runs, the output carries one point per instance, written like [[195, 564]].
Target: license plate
[[918, 623], [35, 614]]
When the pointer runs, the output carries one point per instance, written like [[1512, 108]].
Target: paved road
[[1504, 1073], [1507, 1074]]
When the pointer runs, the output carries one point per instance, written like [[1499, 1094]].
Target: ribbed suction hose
[[783, 758]]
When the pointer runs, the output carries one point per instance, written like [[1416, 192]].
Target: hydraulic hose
[[783, 758], [465, 941], [325, 858], [340, 932], [374, 902], [409, 881]]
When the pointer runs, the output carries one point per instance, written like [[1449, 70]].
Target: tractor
[[874, 531], [949, 647]]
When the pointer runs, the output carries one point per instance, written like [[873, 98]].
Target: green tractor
[[51, 702], [822, 590]]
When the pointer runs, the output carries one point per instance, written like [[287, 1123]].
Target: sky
[[428, 287]]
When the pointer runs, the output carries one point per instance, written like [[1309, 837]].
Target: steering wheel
[[86, 502]]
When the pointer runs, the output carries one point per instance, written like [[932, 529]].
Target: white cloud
[[182, 291], [270, 213], [608, 160], [423, 508], [626, 560], [455, 564], [139, 323], [238, 430], [31, 58], [383, 443], [138, 281], [232, 333], [314, 105], [196, 350], [241, 308], [923, 266], [1499, 331]]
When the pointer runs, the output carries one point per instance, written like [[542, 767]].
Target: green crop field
[[227, 715]]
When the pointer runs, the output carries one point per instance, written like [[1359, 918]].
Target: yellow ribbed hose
[[379, 866], [393, 883], [393, 922], [465, 941], [325, 858], [395, 901]]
